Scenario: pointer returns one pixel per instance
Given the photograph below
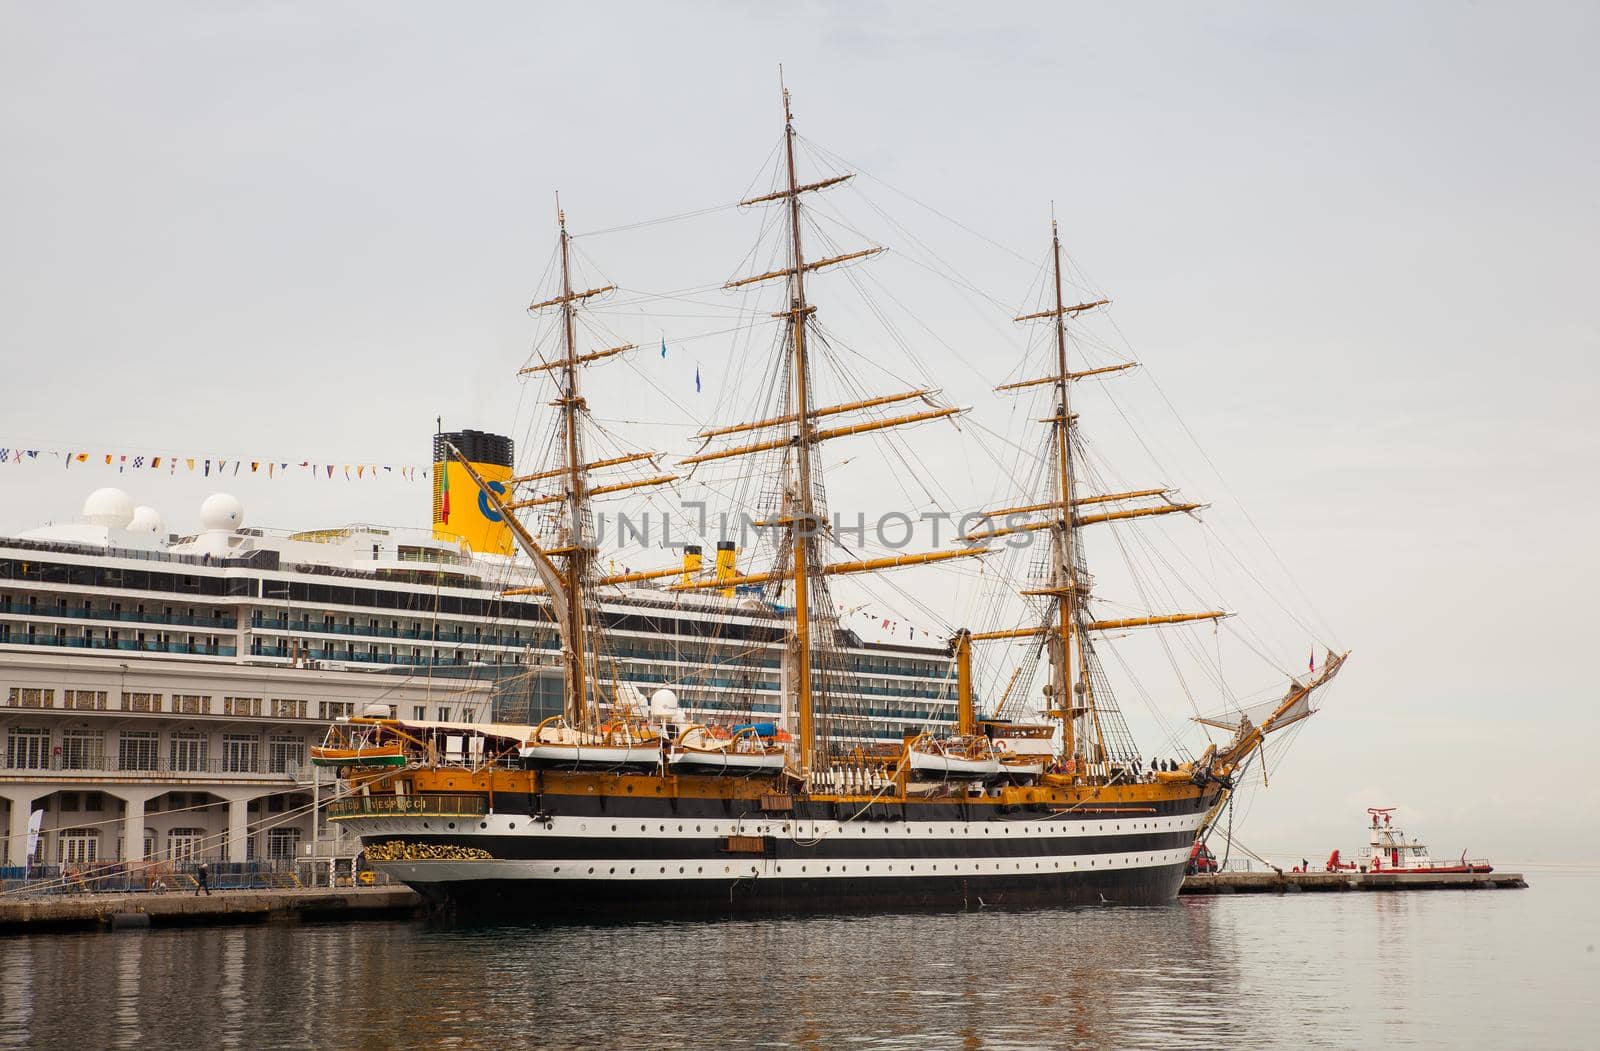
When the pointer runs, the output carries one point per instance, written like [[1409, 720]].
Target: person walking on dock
[[202, 880]]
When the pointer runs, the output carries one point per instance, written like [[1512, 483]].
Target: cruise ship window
[[30, 697], [77, 846], [143, 702], [285, 755], [136, 750], [27, 748], [188, 753], [83, 749], [239, 753]]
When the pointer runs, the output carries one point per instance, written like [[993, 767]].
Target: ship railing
[[431, 805]]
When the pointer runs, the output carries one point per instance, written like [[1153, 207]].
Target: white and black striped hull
[[890, 857]]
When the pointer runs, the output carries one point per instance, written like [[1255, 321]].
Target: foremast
[[572, 586]]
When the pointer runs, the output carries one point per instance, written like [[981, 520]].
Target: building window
[[444, 714], [27, 748], [285, 708], [188, 753], [143, 702], [83, 749], [85, 700], [190, 704], [420, 713], [285, 755], [332, 710], [241, 706], [30, 697], [185, 844], [283, 843], [77, 846], [239, 753], [136, 750]]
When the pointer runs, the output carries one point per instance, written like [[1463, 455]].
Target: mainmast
[[800, 516], [1064, 569], [803, 506]]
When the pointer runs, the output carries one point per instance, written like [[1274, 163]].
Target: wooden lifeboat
[[554, 743], [362, 750], [699, 749], [960, 758]]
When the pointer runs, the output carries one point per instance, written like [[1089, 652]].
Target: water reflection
[[1315, 970]]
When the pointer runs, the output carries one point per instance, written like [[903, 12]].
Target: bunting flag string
[[205, 466], [894, 627]]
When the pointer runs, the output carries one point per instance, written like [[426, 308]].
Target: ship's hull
[[482, 897], [683, 857]]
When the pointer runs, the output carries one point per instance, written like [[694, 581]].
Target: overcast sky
[[1355, 250]]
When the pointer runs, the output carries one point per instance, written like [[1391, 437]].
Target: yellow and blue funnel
[[461, 511]]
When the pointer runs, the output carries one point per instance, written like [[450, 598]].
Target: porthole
[[630, 872], [611, 872], [452, 824], [613, 828], [483, 824], [556, 869], [680, 870], [513, 824], [591, 872], [663, 869]]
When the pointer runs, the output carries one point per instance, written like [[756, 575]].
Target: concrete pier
[[131, 911], [1294, 882]]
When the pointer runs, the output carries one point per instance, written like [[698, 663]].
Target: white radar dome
[[221, 512], [109, 507], [663, 703], [147, 520]]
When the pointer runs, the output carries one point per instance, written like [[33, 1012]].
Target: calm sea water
[[1461, 968]]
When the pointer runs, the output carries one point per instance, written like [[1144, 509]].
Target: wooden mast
[[1065, 575], [577, 693], [804, 527]]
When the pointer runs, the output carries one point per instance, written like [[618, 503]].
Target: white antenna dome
[[147, 520], [109, 507], [221, 512], [663, 704]]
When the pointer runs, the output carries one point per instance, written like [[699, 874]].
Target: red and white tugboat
[[1390, 851]]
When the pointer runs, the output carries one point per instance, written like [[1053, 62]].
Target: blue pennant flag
[[663, 346], [697, 379]]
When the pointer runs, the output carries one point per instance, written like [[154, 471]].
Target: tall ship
[[625, 802]]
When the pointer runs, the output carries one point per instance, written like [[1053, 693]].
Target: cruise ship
[[161, 693]]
